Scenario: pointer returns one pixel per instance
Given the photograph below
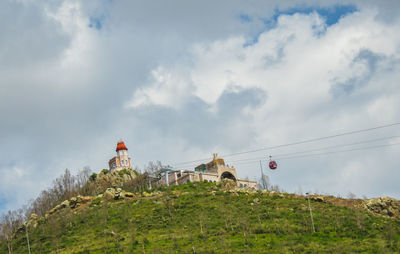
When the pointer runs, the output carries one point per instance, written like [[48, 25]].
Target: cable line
[[319, 149], [318, 154], [294, 143], [254, 160], [349, 150], [187, 162], [336, 146], [313, 140]]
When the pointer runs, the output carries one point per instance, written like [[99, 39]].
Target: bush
[[105, 171], [93, 177], [123, 172], [95, 202]]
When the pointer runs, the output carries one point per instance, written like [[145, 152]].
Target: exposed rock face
[[110, 193], [116, 193], [33, 220], [317, 198], [384, 206], [73, 203], [117, 178]]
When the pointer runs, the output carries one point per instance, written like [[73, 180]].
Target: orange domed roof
[[121, 146]]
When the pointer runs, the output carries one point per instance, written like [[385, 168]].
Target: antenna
[[262, 176]]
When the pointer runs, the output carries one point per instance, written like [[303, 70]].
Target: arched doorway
[[228, 175]]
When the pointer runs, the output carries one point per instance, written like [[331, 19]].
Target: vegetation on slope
[[208, 218]]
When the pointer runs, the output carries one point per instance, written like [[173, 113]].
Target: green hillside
[[208, 218]]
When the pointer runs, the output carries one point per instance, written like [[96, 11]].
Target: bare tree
[[10, 222], [83, 185], [275, 188], [64, 187], [351, 195], [153, 167]]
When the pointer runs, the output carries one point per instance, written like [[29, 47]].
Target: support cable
[[294, 143]]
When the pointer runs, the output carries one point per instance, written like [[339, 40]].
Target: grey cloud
[[197, 124], [53, 118], [232, 103], [371, 61], [28, 35]]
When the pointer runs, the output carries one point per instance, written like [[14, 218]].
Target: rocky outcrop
[[384, 206], [116, 194], [75, 202], [316, 198], [107, 179], [72, 203], [33, 221]]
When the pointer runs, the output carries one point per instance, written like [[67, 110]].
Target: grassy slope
[[202, 218]]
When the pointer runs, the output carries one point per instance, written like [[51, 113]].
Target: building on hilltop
[[214, 171], [122, 160]]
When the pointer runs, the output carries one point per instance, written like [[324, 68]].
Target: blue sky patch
[[245, 18], [331, 14], [96, 22]]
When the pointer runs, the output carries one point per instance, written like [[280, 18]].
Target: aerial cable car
[[272, 164]]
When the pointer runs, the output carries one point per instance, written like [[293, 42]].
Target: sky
[[181, 80]]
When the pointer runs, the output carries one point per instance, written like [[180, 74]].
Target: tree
[[9, 224], [152, 167]]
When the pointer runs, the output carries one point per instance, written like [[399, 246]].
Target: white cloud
[[318, 80], [184, 80], [167, 89]]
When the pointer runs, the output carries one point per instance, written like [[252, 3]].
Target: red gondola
[[272, 164]]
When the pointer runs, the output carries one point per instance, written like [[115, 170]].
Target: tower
[[122, 160]]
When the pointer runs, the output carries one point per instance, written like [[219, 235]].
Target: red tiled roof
[[121, 146]]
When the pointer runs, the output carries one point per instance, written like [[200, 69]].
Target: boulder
[[129, 194], [85, 199], [55, 209], [34, 216], [74, 202], [146, 194], [109, 194], [65, 204], [316, 198], [115, 193], [33, 220], [385, 206], [117, 178]]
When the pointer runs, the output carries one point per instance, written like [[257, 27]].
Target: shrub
[[105, 171], [95, 202], [123, 172], [93, 177]]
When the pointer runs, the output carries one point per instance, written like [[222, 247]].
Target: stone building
[[122, 160], [214, 171]]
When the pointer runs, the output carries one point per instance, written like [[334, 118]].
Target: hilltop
[[212, 218]]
